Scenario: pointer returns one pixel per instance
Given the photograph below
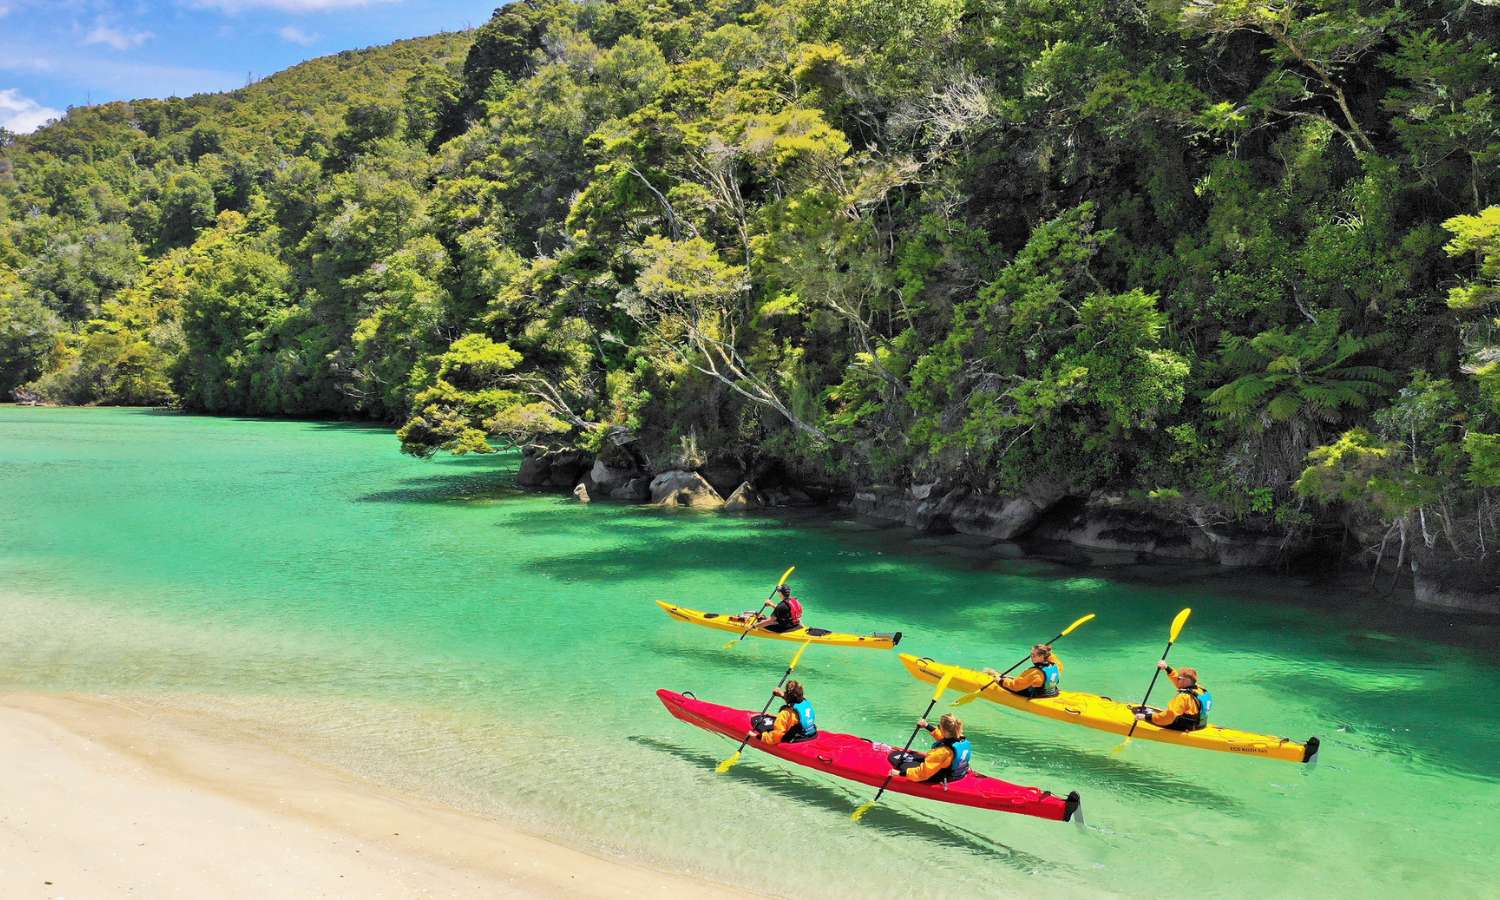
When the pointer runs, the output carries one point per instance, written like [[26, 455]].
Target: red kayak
[[860, 759]]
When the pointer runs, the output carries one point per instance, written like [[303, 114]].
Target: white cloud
[[5, 9], [296, 35], [23, 114], [116, 37]]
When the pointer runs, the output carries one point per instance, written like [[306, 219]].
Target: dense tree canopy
[[1242, 256]]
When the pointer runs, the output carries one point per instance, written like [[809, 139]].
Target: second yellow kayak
[[1093, 711], [737, 623]]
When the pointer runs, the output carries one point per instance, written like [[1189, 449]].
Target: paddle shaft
[[994, 681], [769, 700], [1134, 722], [904, 749], [767, 602]]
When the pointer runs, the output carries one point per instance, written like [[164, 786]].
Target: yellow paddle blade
[[796, 659], [1178, 622], [785, 575], [942, 686], [730, 645], [967, 698], [1120, 747], [860, 813], [1069, 630], [728, 764]]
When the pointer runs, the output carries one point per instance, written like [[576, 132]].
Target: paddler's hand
[[1162, 664], [894, 773], [777, 692], [1140, 716], [922, 723]]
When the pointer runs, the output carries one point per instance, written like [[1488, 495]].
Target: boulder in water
[[744, 497], [679, 488]]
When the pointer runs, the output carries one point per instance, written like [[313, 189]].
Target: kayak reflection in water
[[793, 723], [787, 616], [1040, 680], [1189, 710], [948, 760]]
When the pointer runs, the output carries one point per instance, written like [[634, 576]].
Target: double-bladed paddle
[[936, 695], [728, 764], [753, 619], [974, 695], [1177, 624]]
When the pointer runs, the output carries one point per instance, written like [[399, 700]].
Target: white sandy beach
[[103, 799]]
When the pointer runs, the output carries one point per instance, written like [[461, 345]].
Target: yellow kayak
[[1093, 711], [737, 623]]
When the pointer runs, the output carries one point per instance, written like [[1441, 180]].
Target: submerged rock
[[679, 488]]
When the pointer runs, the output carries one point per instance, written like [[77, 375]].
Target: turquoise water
[[429, 625]]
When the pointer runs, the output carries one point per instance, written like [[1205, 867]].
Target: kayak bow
[[737, 624], [859, 759], [1105, 714]]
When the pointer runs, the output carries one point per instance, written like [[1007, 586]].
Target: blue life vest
[[959, 767], [1200, 720], [807, 723], [1050, 676]]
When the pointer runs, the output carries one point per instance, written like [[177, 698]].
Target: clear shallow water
[[429, 625]]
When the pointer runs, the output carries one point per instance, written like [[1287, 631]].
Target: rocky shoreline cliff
[[1107, 526]]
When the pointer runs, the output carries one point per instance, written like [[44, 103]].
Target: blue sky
[[57, 53]]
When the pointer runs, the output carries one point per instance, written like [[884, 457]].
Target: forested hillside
[[1234, 264]]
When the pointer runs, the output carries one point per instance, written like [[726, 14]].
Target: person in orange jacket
[[948, 760], [1188, 711], [1040, 680], [794, 722]]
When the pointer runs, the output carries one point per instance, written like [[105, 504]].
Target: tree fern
[[1304, 373]]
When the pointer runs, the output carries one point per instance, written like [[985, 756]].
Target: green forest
[[1235, 263]]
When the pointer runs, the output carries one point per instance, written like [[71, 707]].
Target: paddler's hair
[[951, 726], [1044, 649], [793, 693]]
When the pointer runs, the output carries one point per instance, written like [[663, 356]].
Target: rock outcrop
[[552, 468], [1456, 585], [931, 510], [1113, 523], [635, 490], [1106, 523], [787, 496], [607, 479], [680, 488], [1101, 523]]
